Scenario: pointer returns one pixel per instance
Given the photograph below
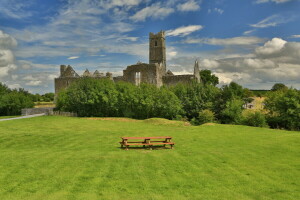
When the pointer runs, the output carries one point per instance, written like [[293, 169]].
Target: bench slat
[[136, 138], [147, 143]]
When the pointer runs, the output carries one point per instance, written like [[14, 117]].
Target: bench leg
[[127, 147], [171, 146], [150, 147]]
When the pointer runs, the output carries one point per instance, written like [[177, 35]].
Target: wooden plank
[[136, 138]]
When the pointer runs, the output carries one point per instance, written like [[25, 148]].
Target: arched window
[[155, 44]]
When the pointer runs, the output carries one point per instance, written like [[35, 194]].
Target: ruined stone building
[[153, 73]]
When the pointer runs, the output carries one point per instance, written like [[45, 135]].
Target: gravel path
[[28, 116]]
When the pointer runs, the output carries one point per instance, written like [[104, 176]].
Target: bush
[[283, 109], [206, 116], [12, 103], [232, 113], [255, 118]]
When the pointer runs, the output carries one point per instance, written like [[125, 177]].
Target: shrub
[[232, 113], [283, 109], [254, 118], [206, 116]]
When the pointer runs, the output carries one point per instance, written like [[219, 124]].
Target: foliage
[[204, 116], [279, 86], [195, 97], [208, 78], [12, 101], [284, 109], [232, 112], [254, 118], [90, 97]]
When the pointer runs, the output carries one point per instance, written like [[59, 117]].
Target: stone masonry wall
[[173, 80], [149, 73]]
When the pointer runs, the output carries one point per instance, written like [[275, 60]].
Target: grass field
[[6, 117], [76, 158]]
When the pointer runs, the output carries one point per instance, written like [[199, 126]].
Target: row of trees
[[196, 102], [12, 101]]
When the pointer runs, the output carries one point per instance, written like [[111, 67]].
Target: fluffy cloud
[[184, 30], [7, 60], [274, 61], [271, 47], [188, 6]]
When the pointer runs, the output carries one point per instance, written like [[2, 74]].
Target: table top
[[148, 138]]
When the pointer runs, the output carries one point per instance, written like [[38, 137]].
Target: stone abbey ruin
[[153, 73]]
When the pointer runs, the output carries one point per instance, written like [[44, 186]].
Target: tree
[[279, 86], [208, 78], [12, 101], [195, 97], [283, 109]]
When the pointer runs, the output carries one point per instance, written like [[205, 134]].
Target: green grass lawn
[[6, 117], [76, 158]]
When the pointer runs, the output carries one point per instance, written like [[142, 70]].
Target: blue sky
[[255, 43]]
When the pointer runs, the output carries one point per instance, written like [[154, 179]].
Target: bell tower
[[157, 49]]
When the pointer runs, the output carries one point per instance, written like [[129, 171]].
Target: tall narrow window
[[155, 44], [137, 78]]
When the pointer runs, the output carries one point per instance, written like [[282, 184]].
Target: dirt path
[[28, 116]]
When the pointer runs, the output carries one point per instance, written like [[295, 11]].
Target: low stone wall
[[66, 114], [33, 111]]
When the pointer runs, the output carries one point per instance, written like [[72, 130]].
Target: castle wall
[[173, 80], [63, 83], [149, 73]]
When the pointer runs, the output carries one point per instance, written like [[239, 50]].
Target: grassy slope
[[72, 158]]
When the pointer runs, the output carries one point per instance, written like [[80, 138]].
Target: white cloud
[[73, 57], [295, 36], [209, 64], [7, 59], [271, 47], [156, 11], [33, 83], [217, 10], [184, 30], [226, 41], [274, 61], [14, 86], [188, 6], [276, 1], [271, 21], [249, 32]]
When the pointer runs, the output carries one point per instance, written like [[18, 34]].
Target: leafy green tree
[[279, 86], [90, 97], [232, 113], [195, 97], [12, 103], [208, 78], [283, 109]]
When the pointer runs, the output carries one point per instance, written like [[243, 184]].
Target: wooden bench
[[146, 141]]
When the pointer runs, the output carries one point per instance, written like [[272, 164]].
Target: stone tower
[[157, 49]]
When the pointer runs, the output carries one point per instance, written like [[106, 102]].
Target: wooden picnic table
[[146, 141]]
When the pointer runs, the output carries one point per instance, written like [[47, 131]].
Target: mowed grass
[[77, 158]]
